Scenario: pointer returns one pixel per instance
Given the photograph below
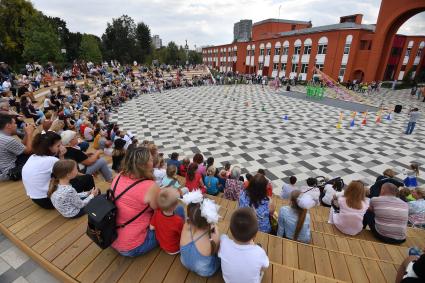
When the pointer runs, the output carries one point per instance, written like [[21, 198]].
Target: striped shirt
[[391, 214], [9, 149]]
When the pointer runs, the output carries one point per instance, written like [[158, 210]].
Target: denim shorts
[[149, 244]]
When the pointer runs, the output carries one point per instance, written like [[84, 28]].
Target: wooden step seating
[[319, 217], [61, 246], [334, 264], [329, 255], [366, 246]]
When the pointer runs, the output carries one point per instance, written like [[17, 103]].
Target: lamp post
[[186, 47]]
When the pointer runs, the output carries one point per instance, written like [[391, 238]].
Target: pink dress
[[129, 205], [349, 220]]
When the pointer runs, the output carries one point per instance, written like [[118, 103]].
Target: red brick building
[[344, 50]]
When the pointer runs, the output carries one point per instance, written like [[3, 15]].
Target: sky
[[210, 22]]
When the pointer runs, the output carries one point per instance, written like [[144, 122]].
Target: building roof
[[340, 26], [281, 21]]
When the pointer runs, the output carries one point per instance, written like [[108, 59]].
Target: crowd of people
[[58, 171]]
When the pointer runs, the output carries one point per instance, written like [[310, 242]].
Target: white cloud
[[210, 21]]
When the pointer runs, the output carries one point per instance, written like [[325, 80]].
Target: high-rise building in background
[[242, 31], [157, 42]]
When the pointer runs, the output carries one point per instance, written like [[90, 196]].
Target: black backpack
[[101, 211]]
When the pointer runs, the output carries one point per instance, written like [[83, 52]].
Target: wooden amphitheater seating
[[61, 246], [367, 247], [319, 217]]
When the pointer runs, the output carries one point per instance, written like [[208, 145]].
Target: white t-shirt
[[313, 192], [46, 102], [6, 85], [241, 263], [36, 175], [329, 194]]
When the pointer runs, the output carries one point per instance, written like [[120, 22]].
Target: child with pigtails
[[200, 237]]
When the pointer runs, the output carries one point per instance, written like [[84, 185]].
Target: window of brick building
[[322, 48]]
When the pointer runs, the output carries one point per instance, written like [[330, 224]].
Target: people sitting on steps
[[387, 216], [13, 153]]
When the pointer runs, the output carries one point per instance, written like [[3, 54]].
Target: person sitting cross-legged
[[387, 216], [92, 161]]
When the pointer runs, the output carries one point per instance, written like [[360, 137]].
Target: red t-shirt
[[168, 230], [195, 183], [269, 189], [82, 128], [182, 170]]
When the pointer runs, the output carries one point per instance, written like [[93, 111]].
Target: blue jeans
[[410, 128], [84, 146], [102, 166], [149, 244]]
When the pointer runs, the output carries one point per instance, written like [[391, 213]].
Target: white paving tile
[[14, 257]]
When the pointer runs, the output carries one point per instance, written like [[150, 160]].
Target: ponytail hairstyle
[[415, 167], [191, 171], [195, 218], [302, 213], [60, 170]]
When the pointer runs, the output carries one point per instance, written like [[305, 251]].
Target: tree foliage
[[119, 40], [13, 18], [27, 34], [90, 49], [144, 42], [41, 40]]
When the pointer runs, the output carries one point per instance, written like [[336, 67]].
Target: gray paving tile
[[40, 275], [27, 268], [9, 276]]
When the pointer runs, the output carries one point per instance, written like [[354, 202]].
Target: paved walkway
[[17, 267]]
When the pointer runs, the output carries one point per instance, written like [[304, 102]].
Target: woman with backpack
[[135, 238]]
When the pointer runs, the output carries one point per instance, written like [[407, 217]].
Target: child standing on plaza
[[244, 227], [167, 222], [410, 181]]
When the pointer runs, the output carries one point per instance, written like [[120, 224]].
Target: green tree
[[144, 41], [41, 41], [172, 53], [13, 17], [90, 49], [119, 40], [72, 46], [195, 57]]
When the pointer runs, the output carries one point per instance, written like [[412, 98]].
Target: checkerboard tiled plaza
[[17, 267], [244, 125]]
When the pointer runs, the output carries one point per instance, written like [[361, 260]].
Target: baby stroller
[[337, 184]]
